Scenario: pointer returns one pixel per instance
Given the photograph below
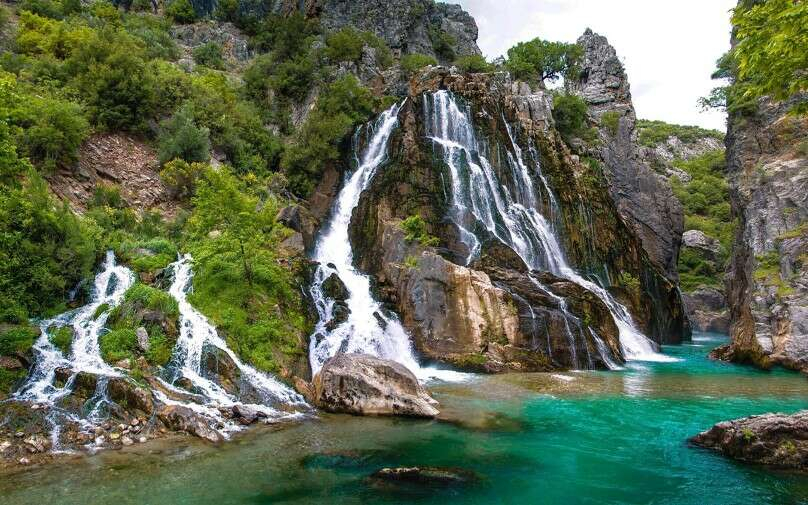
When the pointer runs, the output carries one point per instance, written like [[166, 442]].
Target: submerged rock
[[425, 475], [365, 385], [776, 440]]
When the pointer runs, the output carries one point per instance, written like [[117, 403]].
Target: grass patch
[[62, 338]]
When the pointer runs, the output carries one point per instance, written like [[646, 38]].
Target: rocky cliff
[[643, 198], [495, 313], [768, 281]]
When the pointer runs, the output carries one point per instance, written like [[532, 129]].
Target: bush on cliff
[[411, 63], [569, 112], [181, 138]]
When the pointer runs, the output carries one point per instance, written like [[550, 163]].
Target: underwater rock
[[776, 440], [425, 475], [361, 384]]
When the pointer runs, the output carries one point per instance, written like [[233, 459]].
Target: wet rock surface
[[776, 440], [361, 384], [425, 476], [707, 310]]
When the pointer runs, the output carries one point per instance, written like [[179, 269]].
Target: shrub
[[442, 43], [611, 121], [416, 61], [62, 338], [569, 112], [344, 45], [180, 11], [45, 8], [117, 344], [52, 131], [180, 177], [16, 339], [343, 104], [538, 60], [473, 64], [181, 138], [416, 230], [210, 55]]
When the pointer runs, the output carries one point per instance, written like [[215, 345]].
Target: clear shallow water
[[578, 437]]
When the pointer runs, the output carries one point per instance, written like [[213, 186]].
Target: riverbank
[[578, 437]]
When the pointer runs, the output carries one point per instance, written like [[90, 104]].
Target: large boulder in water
[[777, 440], [365, 385]]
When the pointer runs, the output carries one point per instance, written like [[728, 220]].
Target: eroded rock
[[776, 440], [365, 385]]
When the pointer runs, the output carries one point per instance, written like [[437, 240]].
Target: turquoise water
[[578, 437]]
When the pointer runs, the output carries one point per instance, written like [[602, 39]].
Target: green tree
[[210, 55], [51, 131], [474, 63], [181, 11], [771, 50], [539, 60], [181, 138], [569, 112]]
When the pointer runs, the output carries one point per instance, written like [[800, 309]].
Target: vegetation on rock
[[538, 60]]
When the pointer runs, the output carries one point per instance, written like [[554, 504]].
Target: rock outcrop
[[767, 165], [361, 384], [775, 440], [491, 316], [707, 310], [643, 198]]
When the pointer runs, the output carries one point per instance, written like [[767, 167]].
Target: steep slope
[[768, 289]]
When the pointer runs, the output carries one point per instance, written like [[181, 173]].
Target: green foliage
[[771, 49], [705, 200], [147, 255], [180, 177], [117, 344], [51, 131], [473, 64], [344, 45], [569, 112], [413, 62], [181, 138], [180, 11], [16, 339], [62, 338], [629, 281], [442, 43], [611, 121], [539, 60], [155, 34], [238, 281], [210, 55], [342, 105], [45, 8], [411, 262], [652, 133], [416, 230], [142, 296]]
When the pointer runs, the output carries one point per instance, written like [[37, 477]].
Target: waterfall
[[109, 288], [368, 328], [197, 334], [512, 216]]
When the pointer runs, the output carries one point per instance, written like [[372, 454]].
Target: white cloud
[[669, 48]]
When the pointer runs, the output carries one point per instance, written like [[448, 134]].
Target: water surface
[[577, 437]]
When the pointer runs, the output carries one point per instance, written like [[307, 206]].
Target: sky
[[669, 48]]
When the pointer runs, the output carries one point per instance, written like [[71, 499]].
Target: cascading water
[[511, 215], [367, 329], [86, 323], [197, 334]]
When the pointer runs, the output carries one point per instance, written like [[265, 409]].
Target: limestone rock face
[[707, 310], [768, 275], [365, 385], [697, 239], [408, 26], [777, 440], [644, 198]]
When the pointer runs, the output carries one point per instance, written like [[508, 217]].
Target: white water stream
[[512, 216], [368, 328]]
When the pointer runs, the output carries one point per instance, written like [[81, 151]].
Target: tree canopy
[[539, 59]]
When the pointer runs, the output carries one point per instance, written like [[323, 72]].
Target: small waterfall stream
[[511, 216], [197, 334], [109, 287]]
